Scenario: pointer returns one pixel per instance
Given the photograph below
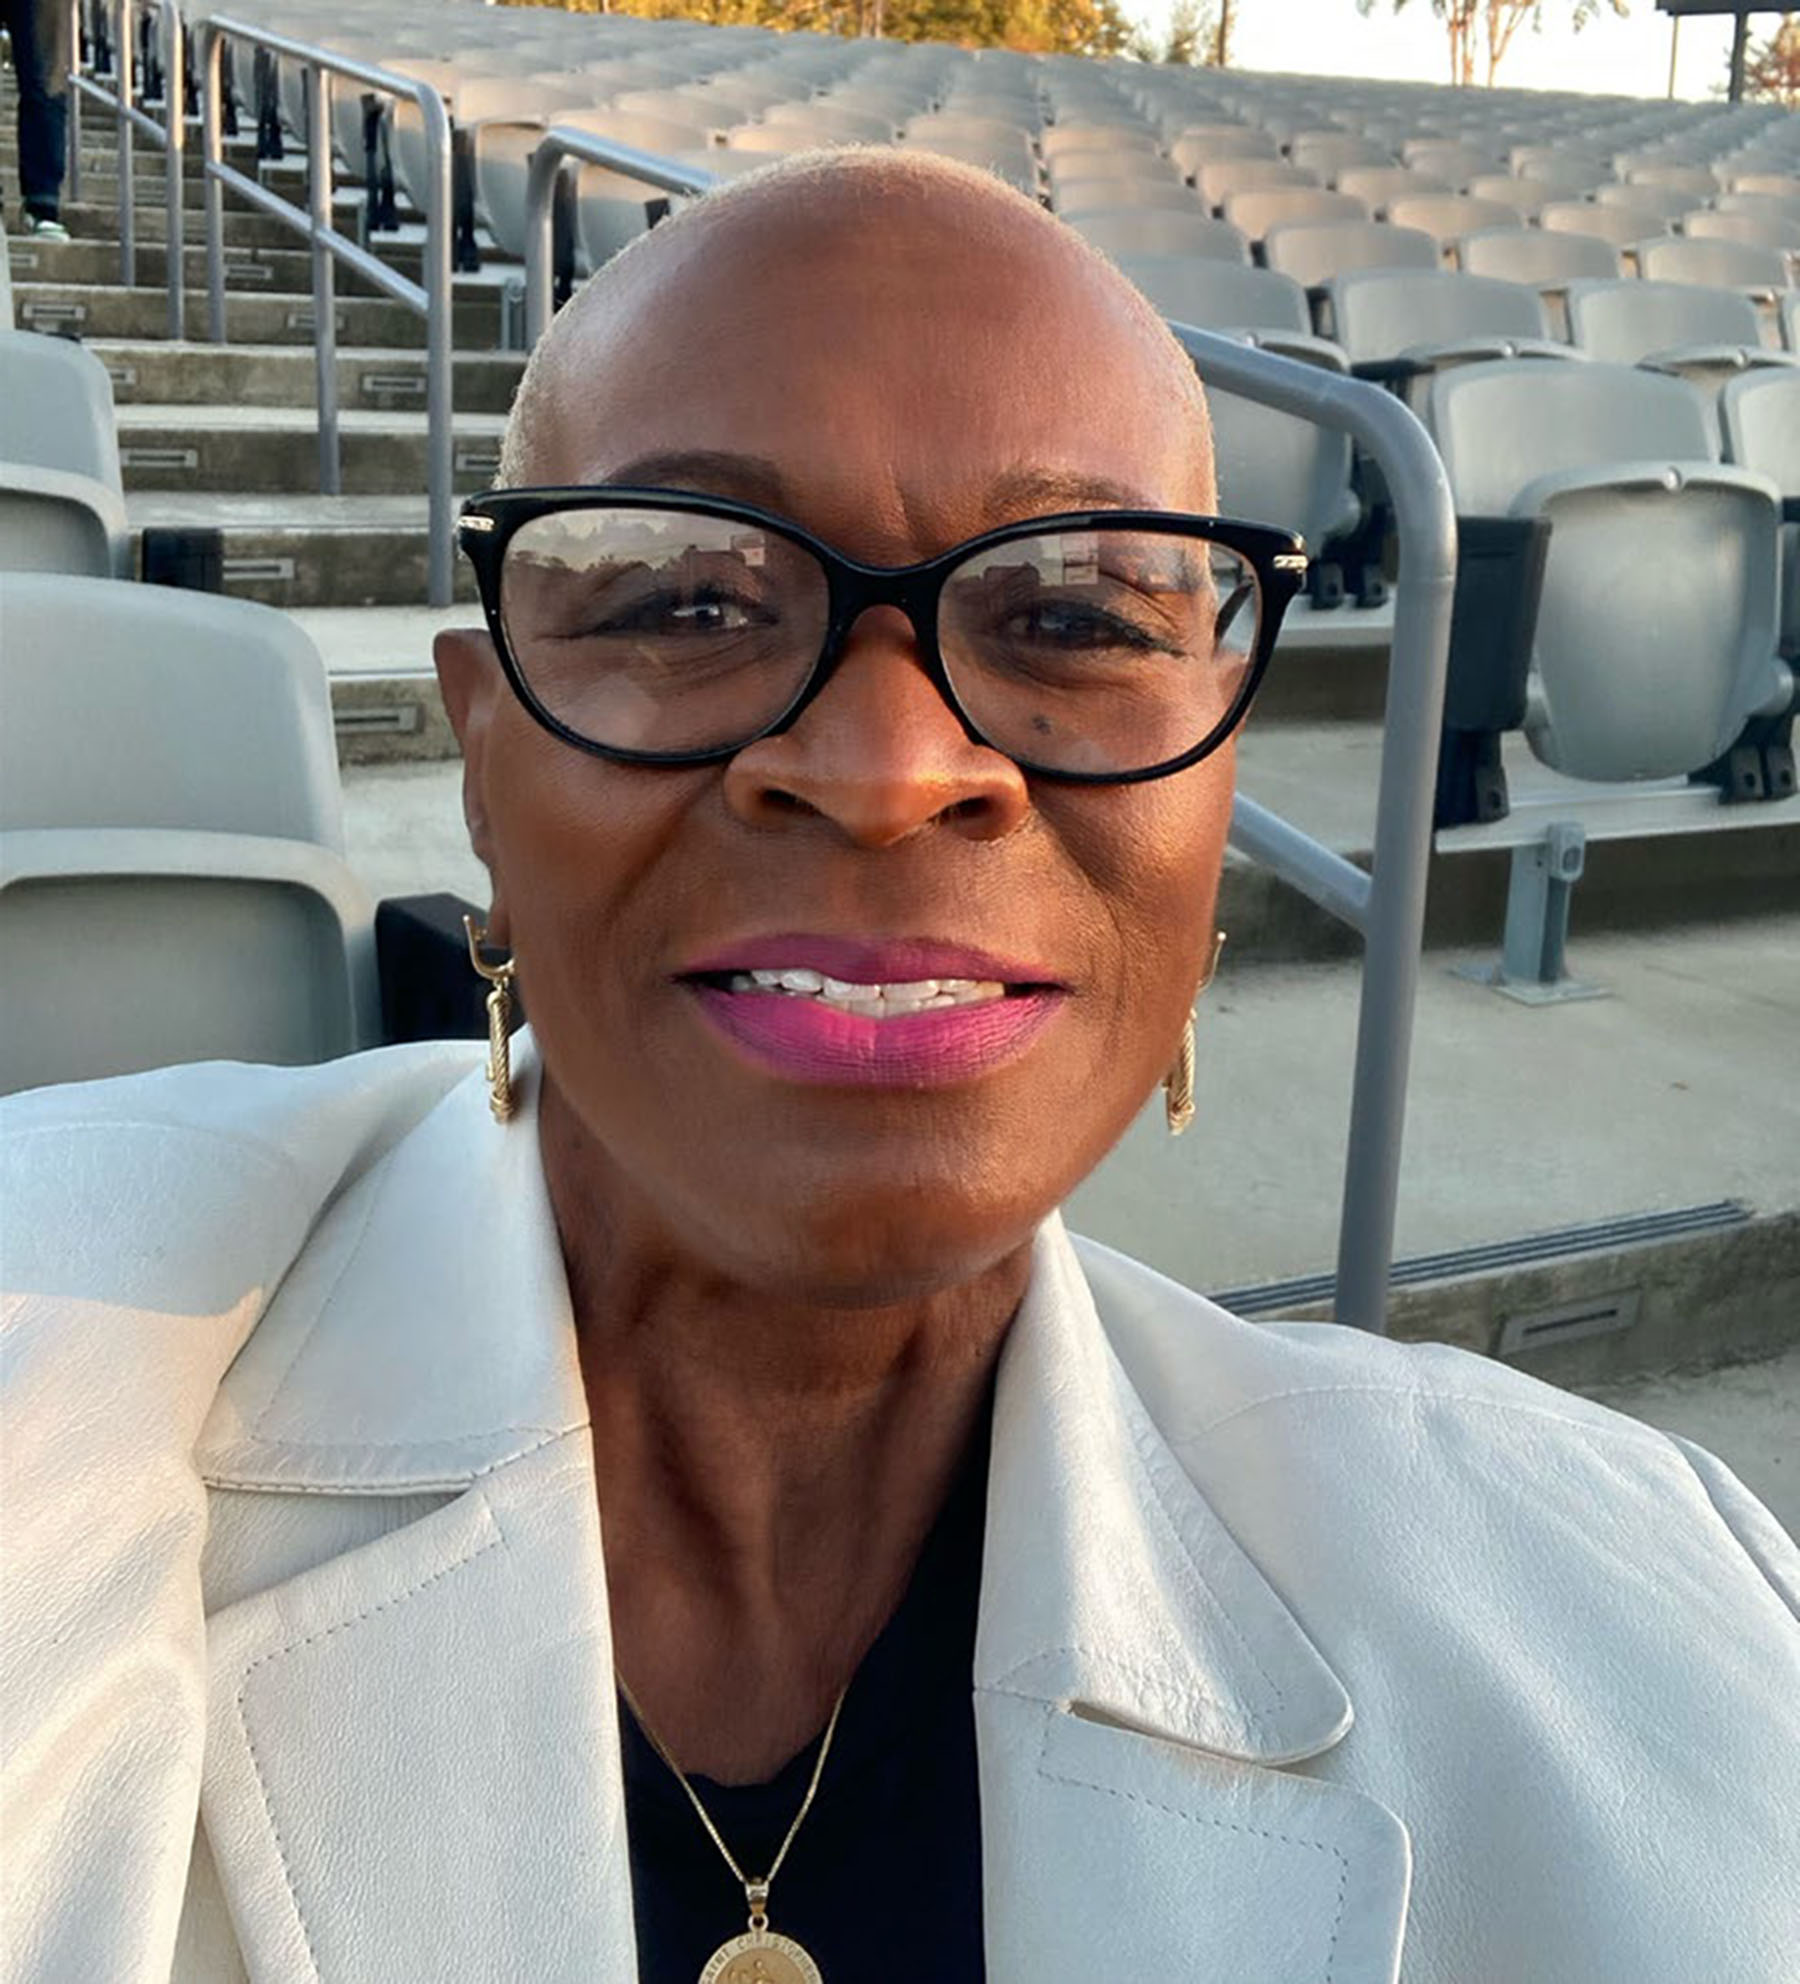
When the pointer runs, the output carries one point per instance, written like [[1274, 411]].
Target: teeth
[[917, 995]]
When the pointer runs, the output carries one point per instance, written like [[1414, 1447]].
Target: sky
[[1629, 57]]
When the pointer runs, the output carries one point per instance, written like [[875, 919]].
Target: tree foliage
[[1772, 67], [1050, 27], [1481, 31], [1198, 33]]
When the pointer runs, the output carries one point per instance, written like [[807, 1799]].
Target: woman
[[857, 915]]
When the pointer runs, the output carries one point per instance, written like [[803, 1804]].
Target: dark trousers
[[41, 56]]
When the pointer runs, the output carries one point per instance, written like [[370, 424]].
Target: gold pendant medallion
[[761, 1957]]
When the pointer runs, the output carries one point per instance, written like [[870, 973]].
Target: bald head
[[827, 226]]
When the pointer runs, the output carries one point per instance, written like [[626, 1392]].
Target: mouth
[[906, 1015]]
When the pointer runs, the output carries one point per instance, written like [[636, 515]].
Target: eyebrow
[[1018, 493]]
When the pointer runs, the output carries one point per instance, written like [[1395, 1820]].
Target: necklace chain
[[756, 1892]]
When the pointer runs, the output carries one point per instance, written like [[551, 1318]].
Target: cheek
[[1152, 855]]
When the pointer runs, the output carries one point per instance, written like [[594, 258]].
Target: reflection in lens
[[660, 630], [1103, 650]]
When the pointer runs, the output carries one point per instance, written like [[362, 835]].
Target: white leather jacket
[[1303, 1656]]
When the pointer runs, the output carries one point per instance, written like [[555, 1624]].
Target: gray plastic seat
[[1696, 179], [1778, 232], [1379, 184], [1548, 262], [1125, 196], [1161, 233], [1449, 216], [1421, 321], [1622, 227], [1449, 159], [1259, 208], [1219, 294], [172, 880], [1666, 202], [1760, 414], [1656, 632], [1703, 335], [1218, 179], [1329, 152], [1195, 144], [61, 503], [1713, 263], [1312, 252], [1526, 197]]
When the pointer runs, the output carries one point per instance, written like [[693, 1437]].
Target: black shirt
[[883, 1882]]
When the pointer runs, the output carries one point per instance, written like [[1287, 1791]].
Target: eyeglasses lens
[[1093, 651], [661, 630], [1099, 651]]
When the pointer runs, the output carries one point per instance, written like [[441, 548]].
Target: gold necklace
[[759, 1956]]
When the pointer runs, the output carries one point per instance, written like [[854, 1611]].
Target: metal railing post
[[1387, 905], [440, 372], [212, 48], [174, 161], [324, 277], [123, 70], [72, 148]]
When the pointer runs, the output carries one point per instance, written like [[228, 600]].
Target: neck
[[768, 1467]]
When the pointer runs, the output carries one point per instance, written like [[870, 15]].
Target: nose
[[879, 753]]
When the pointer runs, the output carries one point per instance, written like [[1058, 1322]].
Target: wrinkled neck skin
[[768, 1467]]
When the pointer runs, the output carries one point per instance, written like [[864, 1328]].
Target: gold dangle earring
[[1178, 1083], [499, 1012]]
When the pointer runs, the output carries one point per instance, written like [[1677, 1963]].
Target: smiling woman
[[714, 1522]]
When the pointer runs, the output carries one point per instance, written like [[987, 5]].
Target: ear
[[474, 692]]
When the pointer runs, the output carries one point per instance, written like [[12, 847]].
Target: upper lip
[[868, 960]]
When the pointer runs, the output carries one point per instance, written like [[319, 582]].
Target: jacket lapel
[[412, 1758], [1138, 1683]]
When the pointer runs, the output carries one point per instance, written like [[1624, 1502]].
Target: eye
[[1078, 626], [707, 610]]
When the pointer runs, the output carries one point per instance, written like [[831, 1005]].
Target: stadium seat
[[1195, 145], [1376, 185], [1779, 185], [172, 878], [1760, 414], [1703, 334], [1158, 233], [1449, 160], [1258, 209], [1695, 179], [1656, 631], [61, 503], [1526, 197], [1665, 202], [1622, 227], [1571, 178], [1218, 179], [1403, 325], [1449, 216], [1327, 153], [1217, 294], [1714, 264], [1312, 252], [1125, 196], [1778, 232], [1548, 262]]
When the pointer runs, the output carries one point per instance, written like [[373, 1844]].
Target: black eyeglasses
[[656, 627]]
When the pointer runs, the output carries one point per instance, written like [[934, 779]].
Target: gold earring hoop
[[1178, 1083], [499, 1014]]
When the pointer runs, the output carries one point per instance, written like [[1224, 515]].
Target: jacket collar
[[452, 1682]]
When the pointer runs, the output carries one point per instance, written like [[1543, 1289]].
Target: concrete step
[[245, 375], [299, 551], [99, 310], [242, 450], [90, 263], [90, 220]]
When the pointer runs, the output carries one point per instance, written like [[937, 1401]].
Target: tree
[[1772, 69], [1198, 33], [1050, 27], [1481, 31]]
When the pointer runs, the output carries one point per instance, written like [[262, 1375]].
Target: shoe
[[45, 227]]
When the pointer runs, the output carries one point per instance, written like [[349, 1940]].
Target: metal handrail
[[431, 298], [1386, 905], [171, 134], [558, 146]]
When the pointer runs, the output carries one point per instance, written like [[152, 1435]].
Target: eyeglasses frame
[[488, 522]]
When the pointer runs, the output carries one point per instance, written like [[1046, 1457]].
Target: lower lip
[[809, 1041]]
